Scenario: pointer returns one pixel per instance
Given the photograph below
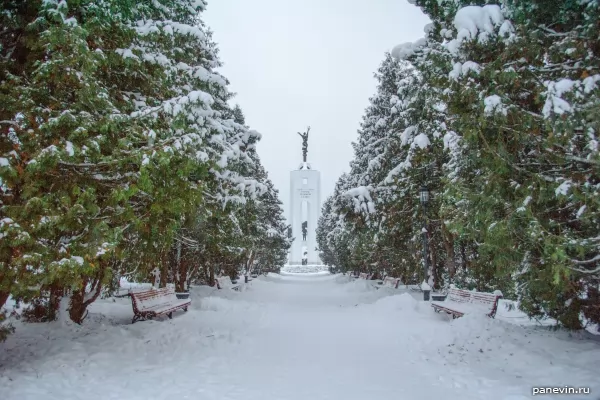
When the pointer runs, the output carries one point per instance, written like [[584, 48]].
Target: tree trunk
[[433, 270], [77, 307], [164, 269], [3, 298], [56, 294], [191, 274], [211, 276], [78, 304], [463, 256], [182, 274], [206, 274], [250, 262], [448, 240]]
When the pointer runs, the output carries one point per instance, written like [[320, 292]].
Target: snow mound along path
[[270, 277], [359, 285], [226, 305], [298, 276], [403, 304]]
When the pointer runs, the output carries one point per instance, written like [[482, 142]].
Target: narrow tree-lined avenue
[[144, 247]]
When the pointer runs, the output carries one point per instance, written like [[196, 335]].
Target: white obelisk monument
[[305, 201]]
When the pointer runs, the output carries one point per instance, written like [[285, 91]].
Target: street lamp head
[[424, 194]]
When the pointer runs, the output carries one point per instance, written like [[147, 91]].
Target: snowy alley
[[293, 337]]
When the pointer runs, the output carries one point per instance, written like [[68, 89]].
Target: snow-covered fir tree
[[499, 120], [116, 131]]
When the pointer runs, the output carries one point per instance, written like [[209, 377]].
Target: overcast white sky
[[298, 63]]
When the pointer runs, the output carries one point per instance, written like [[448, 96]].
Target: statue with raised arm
[[304, 137]]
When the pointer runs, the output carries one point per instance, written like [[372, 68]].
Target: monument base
[[305, 269]]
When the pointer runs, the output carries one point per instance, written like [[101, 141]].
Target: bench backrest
[[224, 282], [391, 282], [136, 286], [466, 296], [143, 300]]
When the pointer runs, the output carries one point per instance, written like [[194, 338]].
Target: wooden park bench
[[413, 285], [460, 302], [364, 275], [125, 291], [148, 304], [225, 282], [388, 281]]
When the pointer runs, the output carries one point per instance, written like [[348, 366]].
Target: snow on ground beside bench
[[295, 339], [508, 311]]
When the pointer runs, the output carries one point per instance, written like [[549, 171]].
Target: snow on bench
[[148, 304], [388, 281], [364, 275], [460, 302], [225, 282], [414, 288], [125, 290]]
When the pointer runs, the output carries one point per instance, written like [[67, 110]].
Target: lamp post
[[424, 197]]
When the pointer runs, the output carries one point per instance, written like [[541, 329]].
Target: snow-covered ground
[[305, 269], [290, 337]]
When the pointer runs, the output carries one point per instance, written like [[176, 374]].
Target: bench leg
[[185, 309], [170, 315], [136, 318]]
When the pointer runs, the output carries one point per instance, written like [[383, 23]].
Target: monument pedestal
[[305, 208]]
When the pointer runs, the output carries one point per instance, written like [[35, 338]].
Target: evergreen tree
[[499, 120], [120, 102]]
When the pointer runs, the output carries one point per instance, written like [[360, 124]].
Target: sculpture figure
[[304, 137], [304, 230]]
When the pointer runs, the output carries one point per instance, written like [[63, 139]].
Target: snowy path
[[293, 338]]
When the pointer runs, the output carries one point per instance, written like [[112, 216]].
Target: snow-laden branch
[[7, 122], [586, 271], [590, 261], [583, 160]]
